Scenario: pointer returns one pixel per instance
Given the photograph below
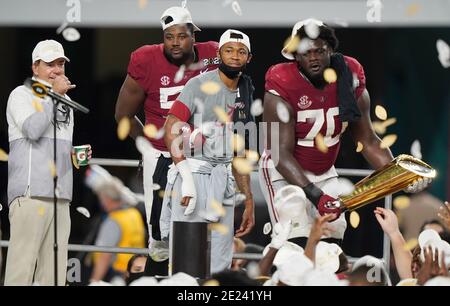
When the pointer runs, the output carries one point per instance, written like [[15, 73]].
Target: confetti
[[252, 156], [389, 122], [41, 211], [379, 127], [123, 128], [412, 9], [443, 53], [218, 208], [256, 109], [3, 155], [84, 212], [381, 112], [62, 27], [180, 74], [150, 130], [156, 186], [312, 30], [359, 147], [184, 3], [388, 141], [253, 270], [52, 168], [218, 227], [345, 186], [1, 207], [416, 149], [210, 88], [354, 219], [330, 75], [142, 4], [238, 143], [211, 283], [267, 228], [283, 112], [236, 8], [221, 114], [410, 244], [401, 202], [320, 143], [37, 105], [239, 198], [304, 45], [242, 165], [71, 34], [291, 44]]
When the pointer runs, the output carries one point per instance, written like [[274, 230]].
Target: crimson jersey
[[155, 74], [316, 111]]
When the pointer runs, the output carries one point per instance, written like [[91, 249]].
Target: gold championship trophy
[[393, 177]]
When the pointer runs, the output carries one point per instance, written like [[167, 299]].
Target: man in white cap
[[30, 180], [207, 177], [307, 105], [156, 76]]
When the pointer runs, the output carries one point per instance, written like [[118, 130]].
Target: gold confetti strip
[[218, 208], [381, 112], [291, 44], [211, 283], [219, 227], [242, 165], [320, 143], [75, 161], [359, 147], [238, 143], [330, 75], [37, 105], [410, 244], [221, 114], [150, 130], [3, 155], [252, 156], [142, 4], [389, 122], [354, 219], [123, 128], [401, 202], [41, 211], [379, 127], [412, 9], [161, 193], [210, 88], [388, 141], [52, 168]]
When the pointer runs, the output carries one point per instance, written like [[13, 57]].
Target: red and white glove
[[329, 205]]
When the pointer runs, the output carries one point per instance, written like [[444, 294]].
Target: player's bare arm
[[363, 131], [248, 217], [287, 165], [131, 98]]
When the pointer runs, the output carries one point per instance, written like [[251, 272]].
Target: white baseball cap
[[231, 35], [48, 50], [296, 27], [176, 15]]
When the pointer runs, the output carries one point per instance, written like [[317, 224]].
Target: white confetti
[[416, 150], [304, 45], [156, 186], [253, 270], [345, 186], [236, 8], [1, 207], [443, 53], [267, 228], [256, 109], [239, 198], [84, 212], [71, 34], [341, 23], [62, 27], [312, 30], [160, 134], [180, 74], [283, 112]]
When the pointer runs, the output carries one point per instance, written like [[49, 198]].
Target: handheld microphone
[[41, 91]]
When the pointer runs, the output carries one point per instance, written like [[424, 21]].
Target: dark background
[[401, 65]]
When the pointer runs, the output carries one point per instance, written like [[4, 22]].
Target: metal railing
[[248, 256]]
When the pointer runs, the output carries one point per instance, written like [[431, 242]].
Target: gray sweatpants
[[30, 254]]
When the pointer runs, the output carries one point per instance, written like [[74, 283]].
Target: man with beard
[[153, 82], [303, 105], [206, 180]]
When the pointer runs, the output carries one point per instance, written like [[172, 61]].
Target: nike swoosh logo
[[203, 71]]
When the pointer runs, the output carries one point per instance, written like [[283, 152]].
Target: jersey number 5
[[167, 92], [319, 117]]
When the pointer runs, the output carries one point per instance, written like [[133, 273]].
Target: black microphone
[[41, 91]]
